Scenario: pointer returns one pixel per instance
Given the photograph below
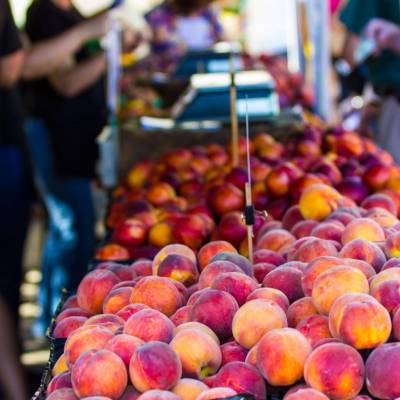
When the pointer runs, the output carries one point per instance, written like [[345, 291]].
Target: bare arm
[[10, 68], [72, 80], [350, 45]]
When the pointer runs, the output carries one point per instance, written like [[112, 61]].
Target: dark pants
[[70, 240], [15, 206]]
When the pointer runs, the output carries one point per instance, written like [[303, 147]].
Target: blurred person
[[29, 62], [179, 26], [67, 111], [379, 20]]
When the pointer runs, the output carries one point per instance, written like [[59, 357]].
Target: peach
[[94, 288], [226, 198], [383, 374], [130, 393], [124, 273], [172, 249], [232, 351], [267, 256], [195, 295], [392, 245], [72, 312], [306, 394], [212, 270], [68, 325], [235, 283], [335, 282], [392, 263], [150, 325], [292, 217], [241, 377], [329, 231], [60, 366], [281, 356], [318, 201], [84, 339], [270, 294], [199, 360], [277, 240], [388, 294], [216, 393], [130, 232], [154, 366], [361, 249], [63, 394], [287, 280], [382, 217], [127, 284], [335, 369], [158, 293], [181, 316], [362, 266], [124, 346], [315, 268], [315, 328], [304, 228], [139, 174], [242, 262], [380, 200], [61, 381], [396, 324], [267, 226], [342, 216], [299, 310], [160, 234], [109, 321], [254, 319], [130, 309], [112, 252], [383, 276], [232, 228], [179, 268], [142, 267], [71, 302], [261, 270], [116, 300], [99, 373], [210, 250], [314, 248], [215, 309], [158, 395], [363, 228], [198, 326], [251, 357], [160, 193], [189, 389], [191, 230]]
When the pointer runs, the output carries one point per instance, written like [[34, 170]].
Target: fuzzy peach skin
[[251, 357], [335, 369], [210, 250], [158, 395], [150, 325], [84, 339], [396, 324], [131, 309], [109, 321], [270, 294], [158, 293], [315, 328], [67, 325], [200, 355], [216, 393], [242, 262], [181, 316], [94, 288], [116, 300], [254, 319], [363, 228], [63, 394], [142, 267], [335, 282], [306, 394], [277, 240], [155, 366], [130, 393], [124, 346], [232, 351], [214, 269], [392, 245], [189, 389], [299, 310], [60, 366], [179, 268], [281, 355], [383, 373], [73, 312], [99, 373], [172, 249], [313, 248], [215, 309], [198, 326], [61, 381]]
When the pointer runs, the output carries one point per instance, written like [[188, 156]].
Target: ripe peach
[[61, 381], [160, 193], [158, 293], [94, 288], [342, 216], [251, 357], [124, 272], [68, 325], [191, 230], [388, 294], [179, 268], [216, 393], [392, 263], [130, 232], [392, 245], [210, 250], [242, 262], [154, 366], [158, 395], [150, 325], [254, 319], [277, 240], [335, 282], [299, 310], [261, 270], [361, 265], [315, 328], [287, 280], [329, 231], [281, 356], [363, 228], [116, 300], [232, 228], [241, 377], [232, 351], [84, 339], [380, 200], [237, 284], [199, 360], [304, 228], [292, 217], [130, 393], [314, 248], [142, 267], [189, 389], [271, 294], [130, 309], [226, 198], [382, 217], [60, 366], [383, 374], [71, 302], [215, 309], [160, 234], [268, 256], [212, 270], [101, 373], [198, 326], [72, 312], [63, 394], [195, 295], [172, 249], [396, 323], [267, 226], [112, 252], [181, 316], [124, 346], [335, 369], [361, 249], [383, 276], [306, 394], [109, 321]]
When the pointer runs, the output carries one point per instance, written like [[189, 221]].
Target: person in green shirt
[[379, 20]]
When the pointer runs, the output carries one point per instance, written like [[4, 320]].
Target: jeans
[[70, 239]]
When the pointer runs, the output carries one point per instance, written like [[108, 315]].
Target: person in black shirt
[[67, 114]]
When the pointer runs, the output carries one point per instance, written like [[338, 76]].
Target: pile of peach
[[192, 196]]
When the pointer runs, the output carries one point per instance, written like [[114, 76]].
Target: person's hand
[[96, 27], [385, 33]]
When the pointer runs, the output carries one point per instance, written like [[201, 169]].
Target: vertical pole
[[234, 117]]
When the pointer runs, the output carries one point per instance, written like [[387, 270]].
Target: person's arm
[[385, 33], [74, 79], [10, 69], [45, 57]]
